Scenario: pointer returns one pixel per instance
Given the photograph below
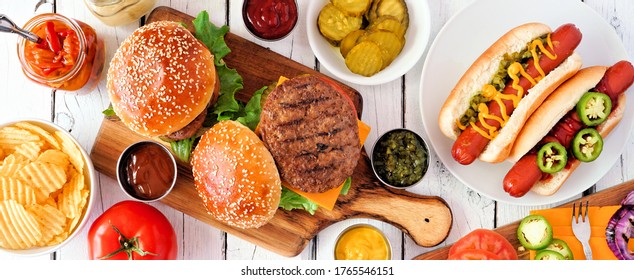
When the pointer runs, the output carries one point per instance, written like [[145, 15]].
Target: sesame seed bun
[[160, 79], [236, 176]]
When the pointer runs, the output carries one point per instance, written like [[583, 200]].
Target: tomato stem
[[128, 245]]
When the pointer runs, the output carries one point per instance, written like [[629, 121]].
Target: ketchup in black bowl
[[146, 171], [270, 19]]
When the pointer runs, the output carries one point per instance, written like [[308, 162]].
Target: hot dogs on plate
[[490, 103], [567, 129]]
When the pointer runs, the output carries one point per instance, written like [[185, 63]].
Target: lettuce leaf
[[227, 107], [109, 112], [212, 36], [250, 116], [290, 200], [183, 148], [346, 186]]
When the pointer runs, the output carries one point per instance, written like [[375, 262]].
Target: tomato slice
[[340, 90], [487, 240], [474, 254]]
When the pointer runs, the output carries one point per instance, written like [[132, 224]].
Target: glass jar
[[119, 12], [69, 57]]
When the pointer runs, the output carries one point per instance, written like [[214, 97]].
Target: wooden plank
[[608, 197], [21, 98], [289, 232], [471, 210], [618, 14], [294, 46]]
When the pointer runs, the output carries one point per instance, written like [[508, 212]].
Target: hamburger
[[236, 176], [162, 81], [310, 127], [309, 146]]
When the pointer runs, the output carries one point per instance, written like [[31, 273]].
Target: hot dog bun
[[482, 71], [555, 107], [553, 184]]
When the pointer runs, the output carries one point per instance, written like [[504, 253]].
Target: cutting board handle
[[426, 219]]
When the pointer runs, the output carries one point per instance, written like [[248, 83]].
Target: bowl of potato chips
[[46, 191]]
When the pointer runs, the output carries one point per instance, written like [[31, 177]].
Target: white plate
[[416, 40], [466, 36]]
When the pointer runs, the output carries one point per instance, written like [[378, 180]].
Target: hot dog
[[489, 104], [558, 120]]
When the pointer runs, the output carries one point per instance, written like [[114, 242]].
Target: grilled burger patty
[[312, 133]]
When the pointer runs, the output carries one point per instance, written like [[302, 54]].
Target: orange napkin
[[561, 218]]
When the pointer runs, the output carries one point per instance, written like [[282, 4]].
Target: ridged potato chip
[[46, 177], [15, 158], [30, 150], [59, 238], [73, 152], [56, 157], [14, 189], [40, 132], [18, 229], [11, 169], [71, 201], [11, 137], [52, 221]]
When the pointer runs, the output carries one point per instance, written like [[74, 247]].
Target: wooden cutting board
[[607, 197], [427, 220]]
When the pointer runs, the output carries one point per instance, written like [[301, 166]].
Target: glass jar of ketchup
[[270, 19], [69, 57]]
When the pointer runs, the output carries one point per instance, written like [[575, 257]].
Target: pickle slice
[[389, 43], [353, 7], [388, 23], [371, 14], [350, 41], [335, 24], [395, 8], [365, 59]]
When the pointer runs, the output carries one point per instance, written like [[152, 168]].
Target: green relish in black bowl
[[400, 158]]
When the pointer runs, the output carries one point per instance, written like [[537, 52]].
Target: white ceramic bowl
[[416, 41], [89, 173]]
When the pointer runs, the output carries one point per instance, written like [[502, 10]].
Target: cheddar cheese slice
[[561, 221]]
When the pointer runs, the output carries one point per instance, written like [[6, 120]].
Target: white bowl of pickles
[[368, 42]]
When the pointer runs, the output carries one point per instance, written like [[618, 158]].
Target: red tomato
[[474, 254], [487, 240], [132, 230]]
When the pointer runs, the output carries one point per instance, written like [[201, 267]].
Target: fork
[[581, 228]]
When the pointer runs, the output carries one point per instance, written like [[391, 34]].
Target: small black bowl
[[377, 146]]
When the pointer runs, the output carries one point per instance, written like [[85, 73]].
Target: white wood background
[[386, 106]]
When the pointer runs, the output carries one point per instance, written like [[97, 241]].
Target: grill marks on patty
[[312, 134]]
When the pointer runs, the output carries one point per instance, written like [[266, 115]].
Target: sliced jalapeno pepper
[[587, 145], [561, 247], [552, 157], [593, 108], [548, 255], [534, 232]]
